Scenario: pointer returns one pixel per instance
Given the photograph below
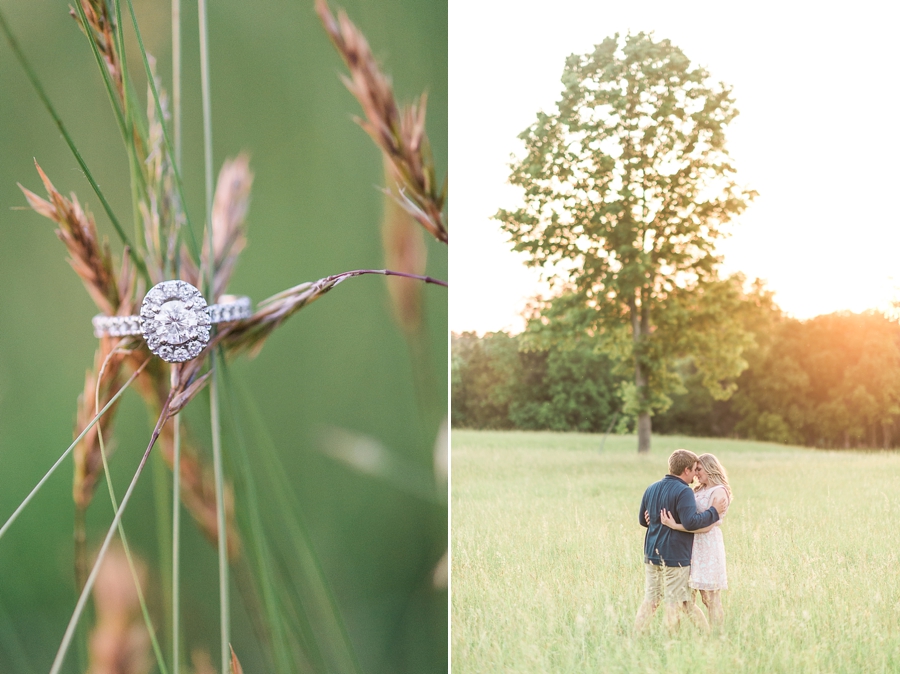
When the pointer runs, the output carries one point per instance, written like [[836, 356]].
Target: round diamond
[[175, 322]]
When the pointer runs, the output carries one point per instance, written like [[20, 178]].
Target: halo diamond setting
[[175, 320]]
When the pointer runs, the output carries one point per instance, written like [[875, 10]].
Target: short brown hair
[[681, 459]]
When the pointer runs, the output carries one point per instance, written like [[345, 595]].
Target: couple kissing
[[684, 552]]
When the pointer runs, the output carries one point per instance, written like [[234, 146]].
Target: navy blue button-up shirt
[[663, 545]]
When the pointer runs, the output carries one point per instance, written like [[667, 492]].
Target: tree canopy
[[626, 187]]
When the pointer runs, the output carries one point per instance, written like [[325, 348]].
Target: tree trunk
[[639, 327], [887, 427], [643, 429]]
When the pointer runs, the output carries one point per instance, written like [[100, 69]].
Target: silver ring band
[[124, 326], [174, 320]]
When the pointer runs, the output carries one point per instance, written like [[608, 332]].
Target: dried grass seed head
[[400, 135], [101, 29], [90, 258]]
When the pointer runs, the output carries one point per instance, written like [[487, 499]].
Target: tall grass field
[[547, 558]]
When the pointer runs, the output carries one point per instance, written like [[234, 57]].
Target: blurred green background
[[341, 363]]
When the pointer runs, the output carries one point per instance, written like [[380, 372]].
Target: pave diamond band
[[174, 320], [235, 309], [116, 326]]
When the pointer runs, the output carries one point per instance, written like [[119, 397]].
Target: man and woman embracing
[[683, 546]]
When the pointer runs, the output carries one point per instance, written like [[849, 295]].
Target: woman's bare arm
[[719, 501], [670, 522]]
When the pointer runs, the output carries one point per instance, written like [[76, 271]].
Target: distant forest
[[832, 381]]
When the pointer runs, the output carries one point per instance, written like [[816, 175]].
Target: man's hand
[[647, 517]]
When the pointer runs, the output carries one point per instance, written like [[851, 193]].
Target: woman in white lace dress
[[708, 574]]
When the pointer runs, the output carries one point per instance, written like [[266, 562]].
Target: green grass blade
[[206, 100], [176, 169], [39, 89], [207, 137], [88, 586], [176, 101], [43, 480], [218, 362], [176, 548], [139, 188], [315, 612], [219, 474], [104, 73], [260, 560], [176, 79], [164, 537], [157, 651]]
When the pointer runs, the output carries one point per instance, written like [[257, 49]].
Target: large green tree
[[626, 188]]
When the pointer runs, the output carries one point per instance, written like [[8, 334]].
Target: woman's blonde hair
[[716, 472]]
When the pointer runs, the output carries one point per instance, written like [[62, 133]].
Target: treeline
[[832, 381]]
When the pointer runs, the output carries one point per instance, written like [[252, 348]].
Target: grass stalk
[[157, 651], [176, 540], [191, 239], [215, 422], [218, 468], [176, 80], [176, 548], [176, 442], [79, 535], [262, 553], [107, 79], [138, 181], [163, 537], [88, 586], [207, 129], [319, 623], [39, 89], [43, 480]]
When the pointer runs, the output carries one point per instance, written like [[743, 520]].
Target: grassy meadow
[[547, 558]]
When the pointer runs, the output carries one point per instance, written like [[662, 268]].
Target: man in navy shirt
[[667, 552]]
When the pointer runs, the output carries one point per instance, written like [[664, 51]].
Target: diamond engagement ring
[[174, 320]]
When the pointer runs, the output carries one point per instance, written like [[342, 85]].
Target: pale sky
[[817, 88]]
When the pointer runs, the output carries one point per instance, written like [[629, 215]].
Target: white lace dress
[[708, 556]]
